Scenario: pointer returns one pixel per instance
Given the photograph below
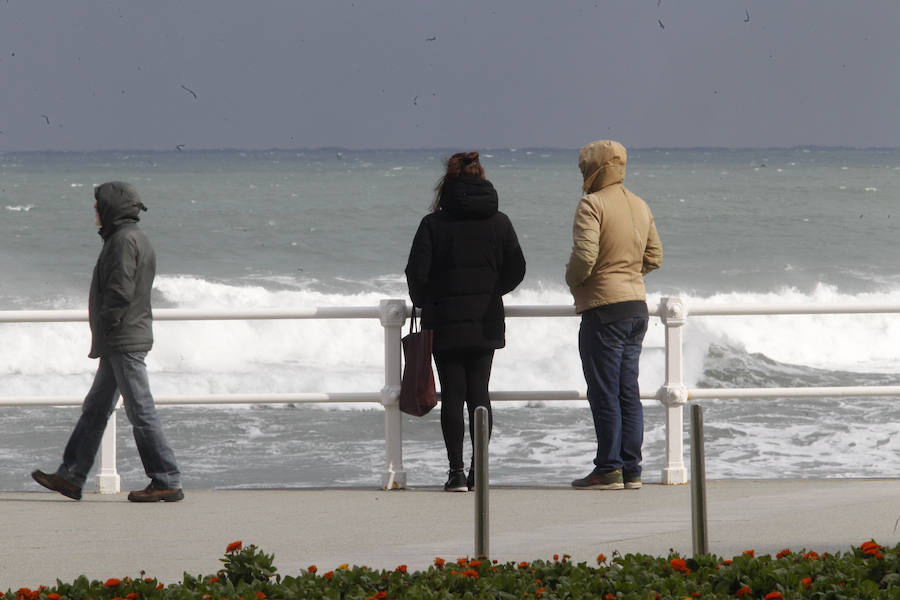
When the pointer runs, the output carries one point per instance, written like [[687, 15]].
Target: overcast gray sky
[[91, 74]]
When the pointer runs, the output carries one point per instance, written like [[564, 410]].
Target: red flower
[[380, 595], [556, 558], [312, 568], [234, 547], [656, 596], [159, 587], [462, 561], [470, 573], [679, 565], [744, 591], [439, 562], [868, 545], [811, 556], [402, 568], [523, 565], [131, 596], [601, 558], [474, 563], [261, 595], [727, 562], [807, 582], [783, 553], [53, 596], [539, 591], [609, 596], [750, 553], [112, 582], [774, 596], [696, 594], [328, 575]]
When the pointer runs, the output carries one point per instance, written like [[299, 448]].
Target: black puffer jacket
[[464, 257], [119, 306]]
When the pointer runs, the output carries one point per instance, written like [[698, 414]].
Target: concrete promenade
[[47, 536]]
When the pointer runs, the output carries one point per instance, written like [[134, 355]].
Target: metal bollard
[[482, 439], [698, 483]]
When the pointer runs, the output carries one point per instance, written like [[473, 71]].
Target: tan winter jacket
[[614, 238]]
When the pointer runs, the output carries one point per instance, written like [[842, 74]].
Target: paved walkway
[[46, 536]]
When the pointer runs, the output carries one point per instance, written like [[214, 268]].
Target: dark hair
[[461, 163]]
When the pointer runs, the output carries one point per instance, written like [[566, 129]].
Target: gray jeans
[[126, 373]]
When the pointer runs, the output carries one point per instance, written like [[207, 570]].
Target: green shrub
[[870, 571]]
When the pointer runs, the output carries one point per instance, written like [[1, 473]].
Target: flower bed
[[867, 571]]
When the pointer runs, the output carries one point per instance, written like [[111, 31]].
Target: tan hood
[[602, 163]]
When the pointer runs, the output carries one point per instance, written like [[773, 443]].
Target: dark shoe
[[456, 482], [151, 494], [470, 479], [600, 480], [54, 482], [632, 481]]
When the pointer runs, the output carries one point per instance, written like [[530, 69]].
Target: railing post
[[108, 480], [674, 394], [698, 483], [482, 483], [393, 315]]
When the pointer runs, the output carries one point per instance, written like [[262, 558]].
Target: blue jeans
[[609, 358], [126, 373]]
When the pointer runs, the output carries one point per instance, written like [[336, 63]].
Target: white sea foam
[[20, 208]]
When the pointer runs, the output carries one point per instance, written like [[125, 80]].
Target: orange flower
[[328, 575], [234, 547], [148, 580], [807, 582], [811, 556], [402, 568], [695, 595], [539, 591], [475, 563], [609, 596], [213, 579], [343, 566], [462, 561], [783, 553], [750, 553], [601, 558], [679, 565], [470, 573], [744, 591], [53, 596], [380, 595], [556, 558], [774, 596], [523, 565], [312, 568], [439, 562], [261, 595], [131, 596], [566, 557], [868, 545], [159, 587], [112, 582], [727, 562]]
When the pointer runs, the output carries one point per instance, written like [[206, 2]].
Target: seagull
[[179, 147], [747, 20], [431, 39], [191, 91], [661, 26], [414, 101], [46, 117]]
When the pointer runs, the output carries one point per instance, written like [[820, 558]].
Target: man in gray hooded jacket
[[121, 323]]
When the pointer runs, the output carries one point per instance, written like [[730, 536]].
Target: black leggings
[[464, 376]]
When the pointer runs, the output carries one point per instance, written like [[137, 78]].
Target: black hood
[[117, 203], [469, 197]]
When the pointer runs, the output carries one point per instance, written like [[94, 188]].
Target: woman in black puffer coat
[[465, 256]]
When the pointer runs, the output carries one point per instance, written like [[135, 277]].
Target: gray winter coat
[[119, 307]]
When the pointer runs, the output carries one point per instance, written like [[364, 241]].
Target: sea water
[[285, 229]]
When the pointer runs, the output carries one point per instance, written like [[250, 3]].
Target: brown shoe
[[54, 482], [151, 494]]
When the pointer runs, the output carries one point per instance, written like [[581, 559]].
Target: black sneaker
[[456, 482], [470, 479], [632, 481], [600, 480]]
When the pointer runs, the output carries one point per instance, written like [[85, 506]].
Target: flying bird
[[431, 39], [747, 20], [415, 103], [661, 26], [179, 147], [194, 94], [47, 118]]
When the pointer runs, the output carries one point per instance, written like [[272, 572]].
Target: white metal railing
[[392, 314]]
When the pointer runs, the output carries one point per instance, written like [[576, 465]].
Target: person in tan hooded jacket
[[615, 243]]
